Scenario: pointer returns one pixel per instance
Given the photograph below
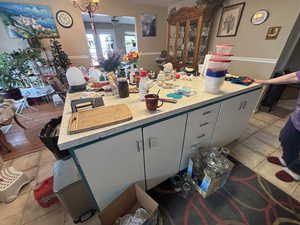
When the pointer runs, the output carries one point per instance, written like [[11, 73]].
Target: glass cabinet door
[[172, 40], [180, 43], [191, 45]]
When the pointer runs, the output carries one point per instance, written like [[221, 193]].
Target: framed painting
[[148, 25], [230, 20], [273, 33], [27, 21]]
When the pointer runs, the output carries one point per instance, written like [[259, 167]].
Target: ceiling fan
[[114, 20]]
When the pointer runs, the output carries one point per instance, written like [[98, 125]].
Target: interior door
[[163, 146], [233, 118], [111, 165]]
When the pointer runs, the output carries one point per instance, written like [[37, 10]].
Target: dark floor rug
[[246, 199]]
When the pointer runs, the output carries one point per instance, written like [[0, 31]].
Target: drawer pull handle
[[241, 106], [149, 143], [245, 104], [204, 124], [138, 146], [201, 136], [207, 112]]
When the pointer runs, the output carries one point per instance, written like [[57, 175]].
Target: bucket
[[224, 49], [221, 56], [213, 84], [218, 65]]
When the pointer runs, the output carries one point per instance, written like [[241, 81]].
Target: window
[[130, 42], [107, 43], [92, 49]]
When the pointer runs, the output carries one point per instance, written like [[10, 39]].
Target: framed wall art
[[27, 21], [273, 33], [148, 25], [230, 20]]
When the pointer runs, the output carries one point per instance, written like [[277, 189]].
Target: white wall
[[250, 40]]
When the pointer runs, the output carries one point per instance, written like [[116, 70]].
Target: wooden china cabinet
[[184, 36]]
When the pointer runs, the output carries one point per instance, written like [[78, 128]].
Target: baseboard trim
[[79, 57]]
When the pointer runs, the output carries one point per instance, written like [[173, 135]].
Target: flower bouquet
[[131, 57], [112, 62]]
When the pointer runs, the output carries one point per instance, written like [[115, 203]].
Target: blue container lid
[[211, 73]]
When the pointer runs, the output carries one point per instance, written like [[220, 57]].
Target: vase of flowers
[[112, 62], [131, 58]]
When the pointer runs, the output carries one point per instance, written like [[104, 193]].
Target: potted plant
[[61, 61], [14, 70]]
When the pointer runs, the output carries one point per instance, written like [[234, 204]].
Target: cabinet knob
[[207, 112], [204, 124], [201, 136]]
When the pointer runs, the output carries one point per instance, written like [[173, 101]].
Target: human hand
[[261, 81]]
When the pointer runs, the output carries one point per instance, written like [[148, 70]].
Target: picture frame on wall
[[273, 32], [26, 20], [230, 20], [148, 25]]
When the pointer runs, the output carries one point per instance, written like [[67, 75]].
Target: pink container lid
[[222, 54], [226, 45], [220, 60]]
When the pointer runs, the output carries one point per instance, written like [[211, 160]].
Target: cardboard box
[[129, 201], [210, 185]]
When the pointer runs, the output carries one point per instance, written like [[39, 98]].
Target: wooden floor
[[27, 141]]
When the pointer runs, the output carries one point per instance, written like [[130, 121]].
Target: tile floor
[[25, 210], [258, 141]]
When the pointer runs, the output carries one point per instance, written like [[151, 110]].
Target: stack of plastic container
[[217, 68]]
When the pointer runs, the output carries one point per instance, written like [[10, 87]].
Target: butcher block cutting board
[[98, 117]]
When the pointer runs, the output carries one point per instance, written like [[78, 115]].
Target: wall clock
[[260, 17], [64, 19]]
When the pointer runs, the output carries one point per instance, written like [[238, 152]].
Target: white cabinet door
[[233, 118], [111, 165], [163, 146], [199, 129]]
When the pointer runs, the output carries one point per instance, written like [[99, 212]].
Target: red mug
[[152, 102]]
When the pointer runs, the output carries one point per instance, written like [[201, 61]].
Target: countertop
[[141, 115]]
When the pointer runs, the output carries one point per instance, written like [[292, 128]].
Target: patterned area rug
[[246, 199]]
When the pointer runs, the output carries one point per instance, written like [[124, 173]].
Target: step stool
[[11, 182]]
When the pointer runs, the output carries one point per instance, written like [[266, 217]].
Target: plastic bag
[[138, 218]]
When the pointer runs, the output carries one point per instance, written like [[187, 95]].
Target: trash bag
[[49, 136]]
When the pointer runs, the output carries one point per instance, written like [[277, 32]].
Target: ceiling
[[101, 18], [164, 3]]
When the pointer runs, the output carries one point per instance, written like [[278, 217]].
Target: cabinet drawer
[[201, 134], [205, 115]]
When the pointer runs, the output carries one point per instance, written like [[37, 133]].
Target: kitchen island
[[155, 145]]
